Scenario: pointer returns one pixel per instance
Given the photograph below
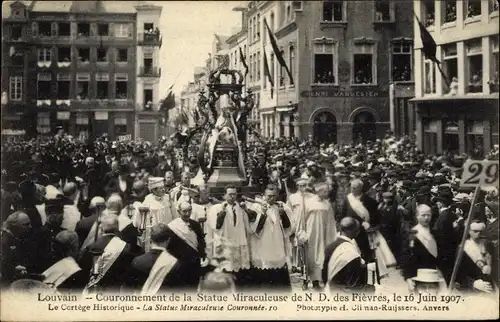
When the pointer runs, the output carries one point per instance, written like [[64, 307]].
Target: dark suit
[[160, 169], [416, 256], [141, 267], [113, 186], [447, 239], [116, 273], [352, 277], [469, 272], [190, 266], [84, 226], [390, 225]]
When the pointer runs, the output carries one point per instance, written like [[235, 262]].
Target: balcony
[[152, 39], [149, 72]]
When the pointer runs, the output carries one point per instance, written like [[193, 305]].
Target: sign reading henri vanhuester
[[339, 92]]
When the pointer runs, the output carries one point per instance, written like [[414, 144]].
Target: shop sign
[[344, 93]]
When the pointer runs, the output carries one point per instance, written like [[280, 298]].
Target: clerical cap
[[155, 182]]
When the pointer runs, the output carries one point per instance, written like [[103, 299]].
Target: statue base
[[223, 177]]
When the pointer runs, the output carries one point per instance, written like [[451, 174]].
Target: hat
[[444, 196], [123, 169], [55, 205], [426, 275], [301, 181], [155, 182], [424, 190], [387, 194], [407, 184], [375, 173], [321, 186]]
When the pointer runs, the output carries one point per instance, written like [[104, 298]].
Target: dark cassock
[[390, 223], [107, 259], [270, 230], [344, 270], [186, 243], [121, 184], [15, 252]]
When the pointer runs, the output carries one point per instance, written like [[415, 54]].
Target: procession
[[327, 175]]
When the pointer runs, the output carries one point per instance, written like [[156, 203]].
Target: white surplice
[[233, 233]]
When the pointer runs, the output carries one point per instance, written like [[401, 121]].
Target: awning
[[13, 132], [470, 97]]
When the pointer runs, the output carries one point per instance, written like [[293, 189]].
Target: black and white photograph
[[219, 160]]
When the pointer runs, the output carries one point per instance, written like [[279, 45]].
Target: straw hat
[[426, 275]]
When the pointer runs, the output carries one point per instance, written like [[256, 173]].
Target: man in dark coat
[[364, 209], [390, 222], [122, 184], [162, 167], [84, 226], [344, 269], [114, 255]]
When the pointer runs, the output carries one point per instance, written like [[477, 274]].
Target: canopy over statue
[[221, 117]]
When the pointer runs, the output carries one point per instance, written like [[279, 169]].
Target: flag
[[277, 52], [243, 61], [429, 48], [428, 43], [267, 72]]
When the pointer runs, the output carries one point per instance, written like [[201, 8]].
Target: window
[[44, 55], [250, 69], [429, 77], [44, 85], [282, 70], [122, 30], [148, 65], [102, 86], [16, 57], [271, 21], [333, 10], [82, 86], [16, 32], [450, 11], [364, 64], [120, 123], [250, 27], [473, 8], [63, 86], [475, 138], [291, 58], [493, 5], [44, 29], [288, 12], [324, 71], [475, 65], [84, 55], [450, 67], [401, 61], [82, 124], [103, 29], [384, 10], [495, 65], [121, 86], [102, 55], [254, 28], [149, 27], [429, 13], [43, 122], [122, 55], [148, 99], [15, 88], [64, 29], [64, 54], [83, 29]]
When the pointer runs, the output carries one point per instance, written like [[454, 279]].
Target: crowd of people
[[110, 216]]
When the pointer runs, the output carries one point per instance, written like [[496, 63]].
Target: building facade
[[457, 110], [353, 78], [148, 121], [80, 67]]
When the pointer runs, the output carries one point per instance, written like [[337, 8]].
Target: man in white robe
[[161, 207], [229, 221], [201, 206], [271, 229], [316, 229]]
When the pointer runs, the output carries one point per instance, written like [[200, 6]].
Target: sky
[[187, 29]]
